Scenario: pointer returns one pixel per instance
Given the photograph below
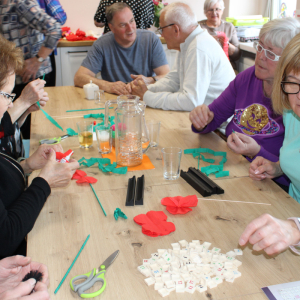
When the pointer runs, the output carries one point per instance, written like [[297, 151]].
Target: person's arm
[[99, 24], [160, 73], [39, 20], [100, 16], [234, 50], [33, 92], [223, 107], [84, 76], [55, 10]]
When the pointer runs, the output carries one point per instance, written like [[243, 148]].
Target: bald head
[[181, 14]]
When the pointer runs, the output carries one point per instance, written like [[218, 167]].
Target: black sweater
[[19, 208]]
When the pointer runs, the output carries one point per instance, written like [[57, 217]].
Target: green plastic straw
[[71, 265], [86, 109], [98, 200]]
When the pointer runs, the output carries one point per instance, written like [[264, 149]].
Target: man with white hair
[[201, 71]]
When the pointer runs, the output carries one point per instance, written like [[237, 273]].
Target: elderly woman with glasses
[[286, 102], [255, 129], [19, 208], [213, 9], [266, 232]]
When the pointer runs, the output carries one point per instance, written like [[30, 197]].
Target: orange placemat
[[145, 165]]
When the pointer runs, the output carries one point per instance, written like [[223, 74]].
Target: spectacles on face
[[211, 11], [160, 29], [9, 97], [290, 87], [269, 54]]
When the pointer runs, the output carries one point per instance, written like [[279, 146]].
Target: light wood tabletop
[[72, 213]]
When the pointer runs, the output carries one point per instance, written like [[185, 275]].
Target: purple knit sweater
[[253, 115]]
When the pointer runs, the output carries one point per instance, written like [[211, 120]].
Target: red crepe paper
[[179, 205], [64, 157], [80, 33], [78, 174], [87, 179], [154, 223], [82, 178]]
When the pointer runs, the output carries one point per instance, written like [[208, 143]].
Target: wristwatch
[[39, 58]]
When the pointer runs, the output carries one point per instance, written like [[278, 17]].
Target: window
[[286, 8]]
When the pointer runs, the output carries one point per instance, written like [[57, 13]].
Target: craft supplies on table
[[96, 275], [190, 267], [201, 183], [62, 281], [135, 191]]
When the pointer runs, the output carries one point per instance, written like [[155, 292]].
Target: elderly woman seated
[[255, 129], [19, 208], [213, 9]]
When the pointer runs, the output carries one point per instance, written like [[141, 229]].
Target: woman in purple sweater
[[255, 130]]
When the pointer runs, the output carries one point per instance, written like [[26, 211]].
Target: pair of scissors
[[53, 140], [92, 277]]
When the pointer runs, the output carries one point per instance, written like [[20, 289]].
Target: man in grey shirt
[[122, 53]]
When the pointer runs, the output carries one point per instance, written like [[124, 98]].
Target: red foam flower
[[154, 223], [78, 174], [179, 205], [87, 179]]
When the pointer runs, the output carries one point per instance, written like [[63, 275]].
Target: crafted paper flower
[[64, 157], [154, 223], [179, 205], [78, 174], [87, 179]]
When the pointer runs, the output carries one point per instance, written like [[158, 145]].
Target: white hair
[[180, 14], [209, 3], [279, 32]]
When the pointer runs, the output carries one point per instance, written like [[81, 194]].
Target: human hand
[[242, 144], [270, 234], [13, 269], [200, 116], [40, 157], [147, 80], [33, 92], [58, 174], [138, 88], [24, 289], [31, 66], [117, 87], [128, 87], [262, 168]]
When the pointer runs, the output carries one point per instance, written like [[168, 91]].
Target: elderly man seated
[[202, 70], [123, 52]]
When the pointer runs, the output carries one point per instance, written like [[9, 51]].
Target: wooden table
[[71, 213]]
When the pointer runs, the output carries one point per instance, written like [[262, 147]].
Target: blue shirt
[[54, 9], [290, 152], [116, 63]]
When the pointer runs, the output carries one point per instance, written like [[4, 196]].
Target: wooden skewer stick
[[220, 200]]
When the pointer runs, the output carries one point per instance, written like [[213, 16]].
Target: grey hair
[[209, 3], [180, 14], [111, 10], [279, 32]]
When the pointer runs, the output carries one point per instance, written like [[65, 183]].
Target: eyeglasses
[[211, 11], [9, 97], [269, 54], [290, 87], [160, 29]]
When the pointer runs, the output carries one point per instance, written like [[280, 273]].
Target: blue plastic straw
[[86, 109], [98, 200], [71, 265]]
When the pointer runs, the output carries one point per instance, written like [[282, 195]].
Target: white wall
[[81, 12]]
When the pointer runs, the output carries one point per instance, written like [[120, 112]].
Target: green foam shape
[[118, 213], [71, 132]]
